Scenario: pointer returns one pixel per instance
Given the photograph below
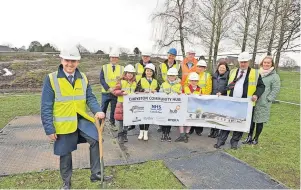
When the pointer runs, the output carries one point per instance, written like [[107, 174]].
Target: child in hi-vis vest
[[191, 88], [125, 85], [171, 86], [147, 84]]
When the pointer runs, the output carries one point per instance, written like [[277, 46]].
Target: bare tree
[[274, 24], [289, 26], [216, 21], [247, 15], [124, 50], [288, 62], [82, 49], [262, 18], [175, 22]]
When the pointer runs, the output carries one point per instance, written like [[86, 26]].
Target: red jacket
[[118, 114]]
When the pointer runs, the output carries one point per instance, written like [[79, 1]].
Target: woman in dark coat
[[219, 83]]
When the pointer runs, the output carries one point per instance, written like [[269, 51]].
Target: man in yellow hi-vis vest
[[109, 75], [145, 59], [66, 94], [244, 82]]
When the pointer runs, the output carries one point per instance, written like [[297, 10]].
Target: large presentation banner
[[222, 112], [158, 108]]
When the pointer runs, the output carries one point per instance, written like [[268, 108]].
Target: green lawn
[[149, 175], [277, 154]]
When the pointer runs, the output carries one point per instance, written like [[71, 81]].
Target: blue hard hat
[[172, 51]]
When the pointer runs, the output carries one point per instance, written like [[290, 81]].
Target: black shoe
[[66, 185], [217, 146], [97, 177], [191, 130], [120, 138], [180, 139], [248, 140], [215, 134], [198, 133], [255, 141]]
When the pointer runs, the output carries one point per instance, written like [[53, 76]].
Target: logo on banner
[[136, 120], [160, 118], [177, 108], [156, 109], [148, 118], [136, 109], [173, 120]]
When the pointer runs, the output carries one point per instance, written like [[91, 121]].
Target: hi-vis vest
[[253, 79], [110, 76], [148, 87], [168, 88], [187, 90], [69, 101], [164, 69], [139, 69], [202, 79], [127, 87]]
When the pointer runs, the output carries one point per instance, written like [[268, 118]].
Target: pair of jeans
[[107, 98]]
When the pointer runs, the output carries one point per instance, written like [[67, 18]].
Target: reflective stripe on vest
[[167, 88], [129, 88], [139, 69], [163, 68], [110, 76], [69, 101], [253, 79], [148, 87], [202, 82], [60, 98]]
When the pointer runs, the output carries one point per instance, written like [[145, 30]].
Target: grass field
[[278, 152]]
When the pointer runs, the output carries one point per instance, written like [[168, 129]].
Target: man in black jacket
[[244, 82]]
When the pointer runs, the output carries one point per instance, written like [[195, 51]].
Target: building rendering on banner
[[214, 117]]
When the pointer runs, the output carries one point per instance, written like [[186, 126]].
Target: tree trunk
[[182, 42], [247, 23], [210, 64], [282, 32], [273, 28], [258, 30]]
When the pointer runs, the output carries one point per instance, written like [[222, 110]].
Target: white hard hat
[[150, 66], [70, 54], [243, 56], [146, 54], [202, 63], [191, 50], [114, 53], [172, 71], [194, 76], [130, 68]]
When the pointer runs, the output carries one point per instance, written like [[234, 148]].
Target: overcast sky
[[96, 24]]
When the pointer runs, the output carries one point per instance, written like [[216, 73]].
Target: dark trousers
[[107, 98], [259, 127], [166, 129], [144, 127], [66, 160], [235, 137]]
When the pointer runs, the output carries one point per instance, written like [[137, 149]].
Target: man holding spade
[[65, 95]]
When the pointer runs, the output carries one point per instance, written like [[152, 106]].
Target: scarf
[[264, 73]]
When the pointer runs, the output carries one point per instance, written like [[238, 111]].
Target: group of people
[[67, 93]]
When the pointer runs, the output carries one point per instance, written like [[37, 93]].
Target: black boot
[[163, 137], [248, 140], [125, 136], [218, 145], [168, 137], [120, 138], [191, 130], [215, 133]]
